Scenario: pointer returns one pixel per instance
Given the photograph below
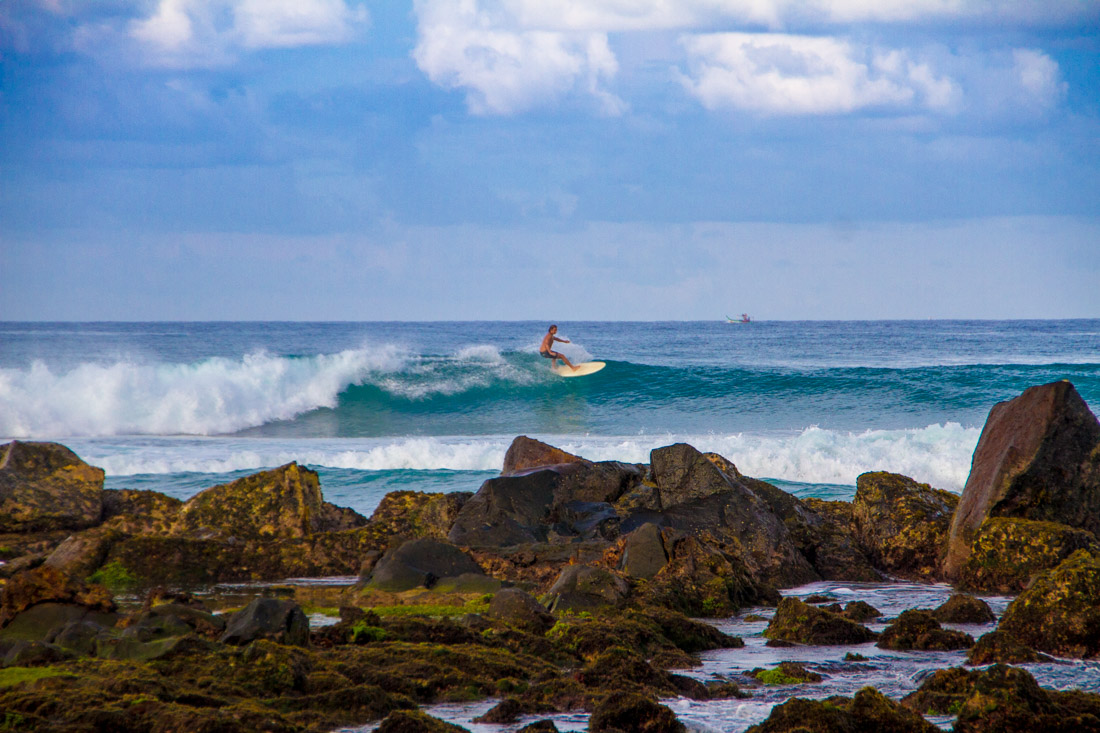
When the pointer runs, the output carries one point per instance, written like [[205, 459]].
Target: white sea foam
[[938, 454], [220, 395]]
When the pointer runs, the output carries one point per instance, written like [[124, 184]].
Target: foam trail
[[937, 454]]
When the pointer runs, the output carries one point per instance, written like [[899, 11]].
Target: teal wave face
[[628, 398]]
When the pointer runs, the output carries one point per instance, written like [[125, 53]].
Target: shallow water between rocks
[[895, 674]]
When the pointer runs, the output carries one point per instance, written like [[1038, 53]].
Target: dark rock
[[526, 453], [525, 507], [46, 584], [1006, 553], [700, 579], [33, 654], [916, 630], [414, 721], [1037, 459], [284, 502], [644, 552], [188, 619], [268, 618], [802, 623], [869, 711], [583, 588], [506, 711], [780, 643], [1059, 613], [902, 524], [79, 637], [134, 649], [753, 618], [853, 657], [818, 598], [628, 712], [521, 610], [539, 726], [421, 563], [997, 646], [45, 486], [825, 533], [42, 621], [963, 609], [700, 499]]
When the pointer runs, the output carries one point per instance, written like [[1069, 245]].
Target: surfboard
[[583, 369]]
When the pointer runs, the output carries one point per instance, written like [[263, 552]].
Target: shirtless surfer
[[548, 341]]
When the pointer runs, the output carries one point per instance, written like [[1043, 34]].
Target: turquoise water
[[379, 406]]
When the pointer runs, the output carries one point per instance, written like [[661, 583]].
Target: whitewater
[[374, 407]]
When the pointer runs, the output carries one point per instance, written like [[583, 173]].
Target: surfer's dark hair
[[552, 325]]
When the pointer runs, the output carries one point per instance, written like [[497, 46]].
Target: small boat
[[743, 319]]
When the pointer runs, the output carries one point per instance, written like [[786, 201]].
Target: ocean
[[375, 407]]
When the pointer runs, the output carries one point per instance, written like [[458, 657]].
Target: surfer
[[548, 341]]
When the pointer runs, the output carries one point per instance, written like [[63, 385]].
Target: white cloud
[[1038, 76], [505, 70], [792, 75], [210, 32]]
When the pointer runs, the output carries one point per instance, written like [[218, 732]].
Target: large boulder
[[704, 497], [1007, 552], [543, 503], [1038, 458], [997, 646], [526, 453], [284, 502], [901, 524], [282, 622], [134, 511], [422, 563], [45, 486], [801, 623], [644, 553], [1059, 612]]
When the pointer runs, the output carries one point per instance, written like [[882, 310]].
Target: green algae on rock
[[799, 622], [916, 630], [1007, 552], [997, 646], [868, 710], [902, 524], [1059, 612], [963, 609], [45, 486]]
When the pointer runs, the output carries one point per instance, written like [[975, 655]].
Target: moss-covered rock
[[45, 486], [1059, 613], [869, 710], [799, 622], [902, 524], [997, 646], [963, 609], [414, 514], [1007, 552], [520, 609], [284, 502], [786, 673], [628, 712], [414, 721], [916, 630]]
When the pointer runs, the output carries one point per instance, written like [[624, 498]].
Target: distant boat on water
[[743, 319]]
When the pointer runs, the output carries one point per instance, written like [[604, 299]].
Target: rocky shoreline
[[563, 584]]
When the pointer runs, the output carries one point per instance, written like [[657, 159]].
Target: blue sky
[[562, 159]]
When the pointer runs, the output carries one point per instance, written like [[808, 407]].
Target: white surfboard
[[583, 369]]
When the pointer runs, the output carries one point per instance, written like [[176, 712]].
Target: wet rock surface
[[917, 630], [802, 623], [45, 486]]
